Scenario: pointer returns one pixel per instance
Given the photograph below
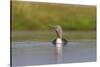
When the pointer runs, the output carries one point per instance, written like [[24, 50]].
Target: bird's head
[[57, 29]]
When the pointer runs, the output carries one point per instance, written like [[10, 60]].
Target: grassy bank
[[49, 35], [37, 16]]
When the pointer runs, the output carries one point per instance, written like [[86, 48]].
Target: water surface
[[30, 53]]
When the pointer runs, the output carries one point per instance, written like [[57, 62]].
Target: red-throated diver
[[59, 41]]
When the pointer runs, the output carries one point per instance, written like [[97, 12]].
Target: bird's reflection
[[58, 54]]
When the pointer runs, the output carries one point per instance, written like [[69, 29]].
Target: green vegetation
[[49, 35], [30, 21], [37, 16]]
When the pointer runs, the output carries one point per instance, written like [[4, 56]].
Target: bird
[[59, 40]]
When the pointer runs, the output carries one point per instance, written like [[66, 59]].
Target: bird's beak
[[52, 27]]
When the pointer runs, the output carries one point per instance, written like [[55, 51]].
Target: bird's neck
[[59, 35]]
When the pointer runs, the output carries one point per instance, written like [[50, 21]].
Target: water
[[40, 53]]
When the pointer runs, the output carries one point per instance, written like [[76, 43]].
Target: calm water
[[39, 53]]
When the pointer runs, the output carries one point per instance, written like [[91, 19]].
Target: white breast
[[59, 42]]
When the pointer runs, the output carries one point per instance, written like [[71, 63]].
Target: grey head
[[58, 30]]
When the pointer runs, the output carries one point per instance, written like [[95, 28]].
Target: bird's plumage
[[59, 39]]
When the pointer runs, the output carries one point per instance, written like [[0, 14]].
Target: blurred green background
[[30, 19], [37, 16]]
